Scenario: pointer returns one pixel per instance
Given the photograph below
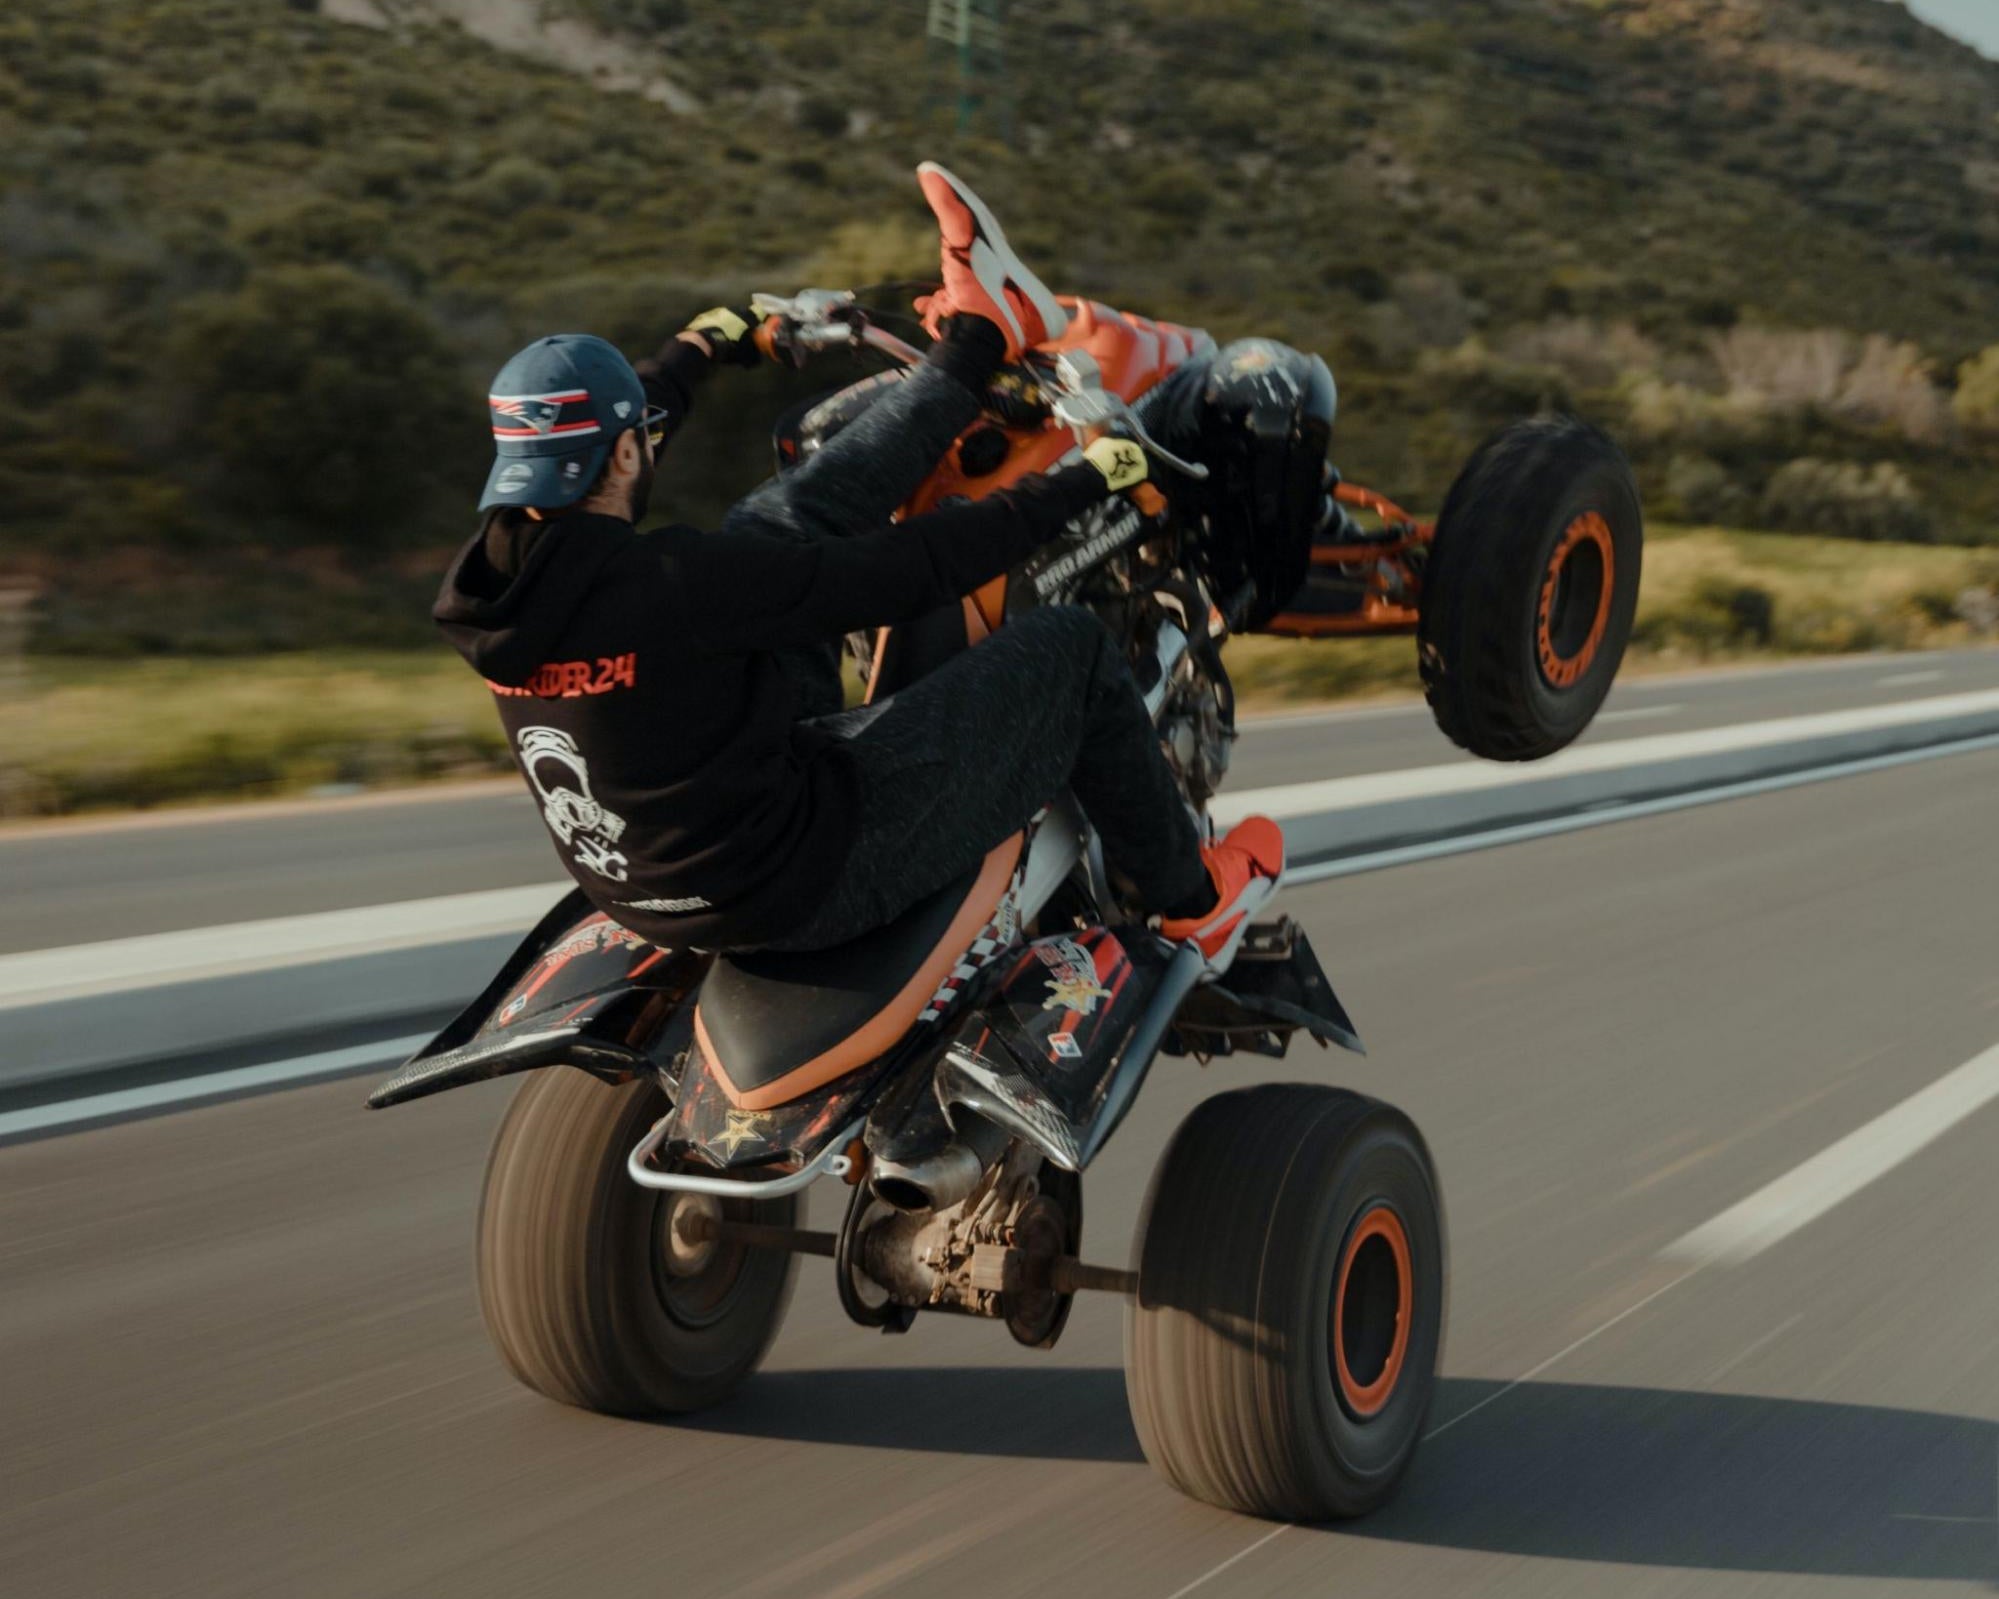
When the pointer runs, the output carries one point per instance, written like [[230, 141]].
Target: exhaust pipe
[[937, 1181]]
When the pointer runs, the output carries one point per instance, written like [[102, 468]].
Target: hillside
[[256, 260]]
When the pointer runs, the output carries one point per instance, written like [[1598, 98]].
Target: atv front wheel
[[603, 1294], [1530, 589], [1282, 1349]]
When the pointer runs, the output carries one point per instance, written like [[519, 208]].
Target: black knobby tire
[[1530, 589], [1273, 1363], [585, 1295]]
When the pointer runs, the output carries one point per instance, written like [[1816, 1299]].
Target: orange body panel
[[1133, 353]]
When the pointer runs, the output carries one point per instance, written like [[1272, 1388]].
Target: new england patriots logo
[[541, 416]]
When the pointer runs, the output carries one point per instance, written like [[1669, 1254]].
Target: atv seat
[[776, 1026]]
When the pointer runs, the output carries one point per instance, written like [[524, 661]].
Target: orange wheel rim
[[1367, 1372], [1569, 622]]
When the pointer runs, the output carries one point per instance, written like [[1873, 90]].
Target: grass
[[1711, 596], [88, 735], [112, 735]]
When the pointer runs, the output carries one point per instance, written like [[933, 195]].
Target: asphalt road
[[242, 1355], [78, 883]]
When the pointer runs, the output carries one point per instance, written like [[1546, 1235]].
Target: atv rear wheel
[[603, 1294], [1282, 1349], [1530, 589]]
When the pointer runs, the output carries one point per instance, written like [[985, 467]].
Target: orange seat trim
[[880, 1032]]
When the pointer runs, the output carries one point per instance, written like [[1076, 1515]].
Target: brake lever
[[1080, 401], [813, 319]]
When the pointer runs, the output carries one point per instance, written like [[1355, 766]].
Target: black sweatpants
[[960, 759]]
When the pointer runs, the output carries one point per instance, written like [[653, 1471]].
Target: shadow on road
[[1653, 1477], [1635, 1476], [1037, 1413]]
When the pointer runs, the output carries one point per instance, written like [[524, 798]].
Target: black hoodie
[[635, 676]]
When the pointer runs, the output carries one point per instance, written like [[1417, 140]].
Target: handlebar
[[824, 319]]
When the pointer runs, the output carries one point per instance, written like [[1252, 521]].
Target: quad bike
[[960, 1068]]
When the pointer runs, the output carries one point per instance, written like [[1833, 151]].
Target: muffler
[[938, 1180]]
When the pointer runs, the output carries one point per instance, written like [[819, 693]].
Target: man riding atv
[[674, 697], [891, 954]]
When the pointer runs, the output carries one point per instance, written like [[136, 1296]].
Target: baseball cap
[[557, 407]]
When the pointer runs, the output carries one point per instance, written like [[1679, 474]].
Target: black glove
[[1015, 398], [730, 335]]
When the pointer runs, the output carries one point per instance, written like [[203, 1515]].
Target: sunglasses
[[655, 424]]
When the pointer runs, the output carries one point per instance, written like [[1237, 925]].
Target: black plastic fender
[[580, 991]]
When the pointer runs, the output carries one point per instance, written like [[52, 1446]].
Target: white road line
[[1468, 777], [1523, 832], [1241, 1554], [1640, 713], [1277, 721], [1807, 1192], [1907, 679], [119, 965], [212, 1085], [1561, 1354]]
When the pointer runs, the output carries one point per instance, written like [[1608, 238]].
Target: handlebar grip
[[765, 338], [1148, 499]]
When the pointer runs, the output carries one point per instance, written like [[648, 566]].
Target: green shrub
[[1701, 489], [318, 229], [1718, 613], [1846, 499], [510, 184], [321, 395], [1976, 403], [1493, 385]]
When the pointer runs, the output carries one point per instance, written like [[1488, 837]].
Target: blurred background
[[257, 260]]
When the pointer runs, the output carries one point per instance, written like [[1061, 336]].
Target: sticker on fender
[[1072, 977]]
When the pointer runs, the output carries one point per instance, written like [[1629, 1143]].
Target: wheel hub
[[1373, 1296], [691, 1242], [1573, 611]]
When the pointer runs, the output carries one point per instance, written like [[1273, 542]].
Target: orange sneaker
[[1246, 865], [982, 276]]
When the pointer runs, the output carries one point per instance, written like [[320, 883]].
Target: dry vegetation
[[151, 731], [255, 261]]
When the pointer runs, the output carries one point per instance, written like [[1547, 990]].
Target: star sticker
[[744, 1127], [1074, 993]]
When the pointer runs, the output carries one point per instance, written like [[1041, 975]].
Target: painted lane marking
[[1907, 679], [1466, 777], [1550, 827], [128, 1102], [1561, 1354], [119, 965], [1641, 713], [1837, 1173], [1332, 716], [1241, 1554]]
